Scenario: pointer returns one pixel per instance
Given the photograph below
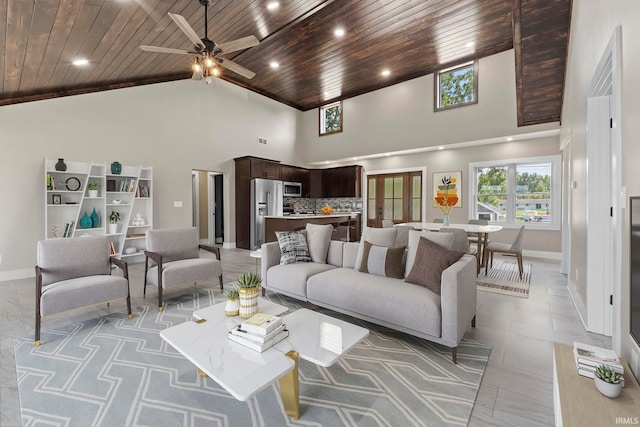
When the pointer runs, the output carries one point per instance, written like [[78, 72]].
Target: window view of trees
[[331, 118], [515, 193], [456, 86]]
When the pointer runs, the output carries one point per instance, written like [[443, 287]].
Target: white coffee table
[[243, 372]]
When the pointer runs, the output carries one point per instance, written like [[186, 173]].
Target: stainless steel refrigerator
[[266, 200]]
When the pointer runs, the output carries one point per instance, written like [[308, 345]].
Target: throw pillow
[[382, 261], [376, 236], [443, 239], [318, 239], [431, 260], [293, 247]]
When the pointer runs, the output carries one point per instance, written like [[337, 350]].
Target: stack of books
[[589, 357], [259, 332]]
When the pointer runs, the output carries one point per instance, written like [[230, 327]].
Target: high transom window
[[331, 118], [456, 86]]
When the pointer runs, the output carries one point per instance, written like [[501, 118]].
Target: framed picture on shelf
[[447, 185], [56, 199]]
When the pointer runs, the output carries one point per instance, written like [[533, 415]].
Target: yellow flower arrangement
[[326, 210]]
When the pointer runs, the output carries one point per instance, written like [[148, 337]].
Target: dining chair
[[461, 243], [76, 273], [514, 248], [173, 258]]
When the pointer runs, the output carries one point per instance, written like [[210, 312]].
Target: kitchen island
[[346, 225]]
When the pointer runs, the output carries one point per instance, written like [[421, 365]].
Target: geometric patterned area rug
[[112, 371], [504, 278]]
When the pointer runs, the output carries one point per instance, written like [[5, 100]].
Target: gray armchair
[[173, 258], [76, 273]]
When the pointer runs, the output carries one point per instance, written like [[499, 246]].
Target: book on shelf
[[591, 355], [618, 369], [112, 248], [257, 346], [261, 324], [258, 338]]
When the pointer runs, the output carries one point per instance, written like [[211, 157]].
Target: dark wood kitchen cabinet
[[344, 181], [296, 174]]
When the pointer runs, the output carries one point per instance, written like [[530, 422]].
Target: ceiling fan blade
[[164, 50], [239, 44], [186, 29], [236, 68]]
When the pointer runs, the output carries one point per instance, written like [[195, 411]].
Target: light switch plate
[[177, 203]]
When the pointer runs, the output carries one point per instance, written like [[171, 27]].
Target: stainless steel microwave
[[292, 189]]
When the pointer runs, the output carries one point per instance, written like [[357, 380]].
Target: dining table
[[482, 231]]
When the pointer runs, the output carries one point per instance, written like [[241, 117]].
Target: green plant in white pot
[[114, 218], [608, 381], [233, 302], [92, 188]]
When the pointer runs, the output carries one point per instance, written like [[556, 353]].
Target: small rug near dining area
[[114, 371], [504, 278]]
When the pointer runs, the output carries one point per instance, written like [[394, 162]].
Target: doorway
[[395, 196], [208, 205]]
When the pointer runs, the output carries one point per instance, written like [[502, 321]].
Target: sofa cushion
[[382, 261], [73, 293], [291, 279], [318, 238], [376, 236], [390, 300], [185, 271], [431, 260], [443, 239], [293, 247]]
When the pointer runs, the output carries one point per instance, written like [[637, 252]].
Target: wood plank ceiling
[[410, 38]]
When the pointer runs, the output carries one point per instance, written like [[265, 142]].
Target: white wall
[[401, 116], [174, 127], [593, 23]]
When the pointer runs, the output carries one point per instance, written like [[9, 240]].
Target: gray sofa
[[390, 302]]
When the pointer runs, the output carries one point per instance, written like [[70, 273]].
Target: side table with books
[[577, 402]]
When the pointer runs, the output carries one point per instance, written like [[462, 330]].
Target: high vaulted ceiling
[[410, 38]]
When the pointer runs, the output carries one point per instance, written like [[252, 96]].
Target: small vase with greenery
[[249, 286], [92, 188], [608, 381], [233, 303], [114, 218]]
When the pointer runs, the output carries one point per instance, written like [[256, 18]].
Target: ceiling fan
[[207, 60]]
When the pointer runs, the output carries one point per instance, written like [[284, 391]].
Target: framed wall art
[[447, 189]]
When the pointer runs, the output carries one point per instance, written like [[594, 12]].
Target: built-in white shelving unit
[[129, 193]]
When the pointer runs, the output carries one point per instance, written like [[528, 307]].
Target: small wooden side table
[[577, 401]]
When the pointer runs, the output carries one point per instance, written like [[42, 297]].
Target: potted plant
[[608, 381], [92, 188], [233, 302], [114, 218], [249, 287]]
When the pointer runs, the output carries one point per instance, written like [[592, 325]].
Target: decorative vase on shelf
[[608, 389], [445, 220], [233, 307], [248, 304], [112, 228], [85, 221], [116, 168], [93, 193], [61, 165], [95, 219]]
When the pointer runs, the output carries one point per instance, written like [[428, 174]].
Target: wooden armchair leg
[[160, 297], [221, 283], [36, 340], [263, 292], [520, 267], [454, 355], [473, 322]]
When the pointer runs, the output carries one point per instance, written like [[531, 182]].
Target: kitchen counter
[[346, 225]]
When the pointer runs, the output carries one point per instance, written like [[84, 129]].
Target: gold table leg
[[202, 373], [290, 388]]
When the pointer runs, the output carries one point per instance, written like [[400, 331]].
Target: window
[[395, 196], [456, 86], [331, 118], [517, 191]]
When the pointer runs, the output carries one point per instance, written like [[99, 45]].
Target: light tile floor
[[517, 386]]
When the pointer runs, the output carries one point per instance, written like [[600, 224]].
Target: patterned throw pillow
[[293, 247], [381, 260], [431, 260]]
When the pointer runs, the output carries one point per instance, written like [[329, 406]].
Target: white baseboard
[[543, 254], [24, 273], [578, 304]]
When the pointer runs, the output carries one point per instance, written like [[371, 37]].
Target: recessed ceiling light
[[386, 72], [339, 32], [469, 44], [274, 64], [441, 148], [510, 139], [326, 162], [273, 5], [355, 158], [80, 62], [388, 154]]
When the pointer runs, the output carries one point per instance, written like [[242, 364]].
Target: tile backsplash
[[340, 204]]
